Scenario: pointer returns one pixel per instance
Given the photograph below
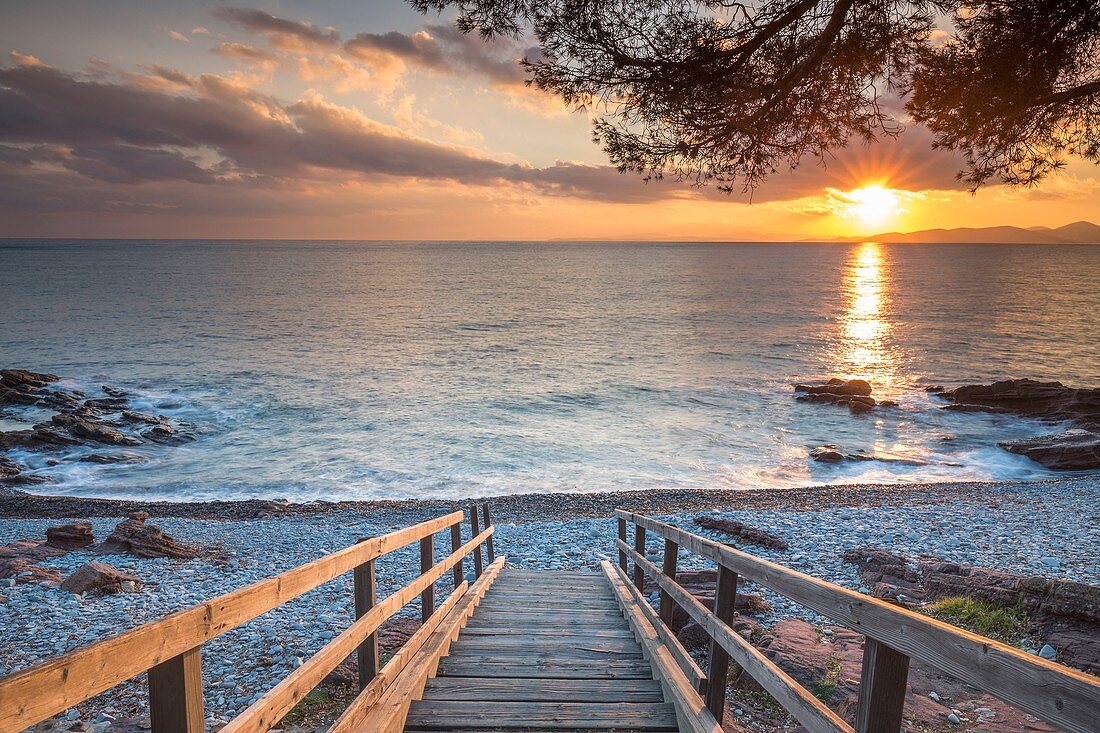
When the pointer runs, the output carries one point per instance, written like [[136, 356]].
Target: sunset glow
[[874, 205]]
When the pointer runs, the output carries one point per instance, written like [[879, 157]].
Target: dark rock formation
[[97, 576], [827, 454], [33, 550], [25, 571], [1066, 613], [1073, 450], [8, 469], [741, 531], [106, 458], [166, 434], [133, 535], [97, 432], [1076, 449], [837, 386], [71, 536]]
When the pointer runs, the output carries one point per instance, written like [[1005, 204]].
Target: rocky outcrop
[[741, 531], [102, 578], [855, 394], [71, 536], [25, 571], [1072, 450], [19, 387], [1031, 398], [1066, 614], [836, 386], [1076, 449], [134, 536]]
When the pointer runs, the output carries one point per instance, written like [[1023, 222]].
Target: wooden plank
[[882, 689], [639, 547], [540, 654], [683, 659], [365, 589], [488, 523], [725, 596], [436, 714], [388, 713], [691, 714], [427, 559], [1063, 697], [520, 632], [456, 542], [806, 709], [475, 532], [553, 615], [622, 536], [175, 694], [277, 702], [357, 711], [583, 644], [672, 551], [476, 667], [534, 690], [35, 694]]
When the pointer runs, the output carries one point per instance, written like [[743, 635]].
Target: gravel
[[1050, 529]]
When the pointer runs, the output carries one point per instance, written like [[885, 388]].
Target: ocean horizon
[[358, 370]]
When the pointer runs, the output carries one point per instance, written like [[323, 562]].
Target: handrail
[[168, 648], [1059, 695]]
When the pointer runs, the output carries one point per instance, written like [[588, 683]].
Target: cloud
[[177, 36], [248, 55], [418, 49], [297, 36]]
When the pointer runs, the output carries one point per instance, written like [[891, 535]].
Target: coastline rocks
[[836, 386], [1066, 614], [1031, 398], [743, 532], [1073, 450], [9, 469], [827, 454], [71, 536], [1076, 449], [24, 571], [98, 432], [134, 536], [855, 394], [97, 576], [108, 458]]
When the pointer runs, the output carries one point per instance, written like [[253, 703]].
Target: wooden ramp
[[545, 650]]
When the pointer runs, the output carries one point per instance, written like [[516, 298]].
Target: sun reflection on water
[[865, 349]]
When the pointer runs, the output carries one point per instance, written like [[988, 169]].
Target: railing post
[[639, 547], [672, 550], [477, 549], [366, 595], [488, 542], [622, 536], [881, 688], [427, 560], [175, 694], [456, 543], [725, 597]]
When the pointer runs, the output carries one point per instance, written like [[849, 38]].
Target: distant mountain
[[1079, 232]]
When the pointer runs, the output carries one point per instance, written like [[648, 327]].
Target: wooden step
[[542, 690], [636, 669], [472, 715]]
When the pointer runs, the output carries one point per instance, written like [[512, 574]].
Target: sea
[[322, 370]]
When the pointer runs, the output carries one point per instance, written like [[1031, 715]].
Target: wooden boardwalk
[[548, 650]]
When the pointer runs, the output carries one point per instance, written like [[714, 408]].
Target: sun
[[873, 205]]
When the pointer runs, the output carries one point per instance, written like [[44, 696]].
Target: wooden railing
[[170, 649], [1059, 695]]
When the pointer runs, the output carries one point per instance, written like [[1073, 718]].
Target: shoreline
[[18, 504]]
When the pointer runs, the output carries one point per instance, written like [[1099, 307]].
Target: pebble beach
[[1049, 528]]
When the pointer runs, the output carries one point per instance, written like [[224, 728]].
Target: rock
[[70, 536], [114, 391], [1076, 449], [24, 571], [8, 468], [107, 403], [106, 458], [1030, 398], [827, 454], [33, 550], [858, 407], [837, 387], [741, 531], [20, 378], [166, 434], [140, 417], [887, 403], [96, 432], [1047, 652], [145, 540], [97, 576]]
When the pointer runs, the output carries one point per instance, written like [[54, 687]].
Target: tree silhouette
[[714, 90]]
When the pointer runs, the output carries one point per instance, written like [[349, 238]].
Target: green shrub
[[1007, 624]]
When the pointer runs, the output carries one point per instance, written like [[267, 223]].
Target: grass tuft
[[824, 688], [1007, 624]]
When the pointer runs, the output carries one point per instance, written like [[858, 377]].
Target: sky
[[368, 120]]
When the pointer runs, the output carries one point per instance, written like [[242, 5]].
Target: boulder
[[24, 571], [743, 532], [1076, 449], [133, 535], [827, 454], [106, 458], [21, 378], [1031, 398], [167, 435], [837, 387], [71, 536], [34, 550], [97, 432], [97, 576]]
